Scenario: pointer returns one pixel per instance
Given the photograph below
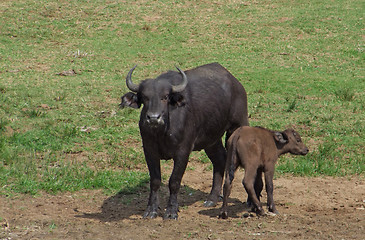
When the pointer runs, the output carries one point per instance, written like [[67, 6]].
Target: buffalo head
[[157, 96]]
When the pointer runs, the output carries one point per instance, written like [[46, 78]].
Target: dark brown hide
[[183, 112], [256, 150]]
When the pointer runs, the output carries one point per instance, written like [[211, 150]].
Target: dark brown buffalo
[[184, 112], [256, 150]]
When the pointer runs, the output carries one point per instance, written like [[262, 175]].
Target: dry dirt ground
[[310, 208]]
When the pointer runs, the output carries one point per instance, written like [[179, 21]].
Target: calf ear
[[130, 100], [280, 137], [178, 100]]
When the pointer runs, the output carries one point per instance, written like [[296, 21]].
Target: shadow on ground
[[125, 205]]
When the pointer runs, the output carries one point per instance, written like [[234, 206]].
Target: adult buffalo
[[184, 112]]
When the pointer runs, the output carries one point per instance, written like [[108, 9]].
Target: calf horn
[[180, 87], [133, 87]]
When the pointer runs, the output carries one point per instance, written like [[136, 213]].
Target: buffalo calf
[[257, 149]]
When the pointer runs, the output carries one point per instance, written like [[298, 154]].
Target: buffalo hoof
[[150, 214], [209, 203], [223, 215], [171, 213], [172, 216]]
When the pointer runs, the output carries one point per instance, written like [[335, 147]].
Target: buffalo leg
[[155, 182], [180, 164], [217, 154], [269, 175]]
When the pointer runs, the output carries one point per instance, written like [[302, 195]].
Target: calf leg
[[269, 175], [248, 183], [258, 187], [217, 154]]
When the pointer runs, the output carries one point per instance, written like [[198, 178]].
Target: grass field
[[63, 65]]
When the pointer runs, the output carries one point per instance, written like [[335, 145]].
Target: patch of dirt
[[310, 208]]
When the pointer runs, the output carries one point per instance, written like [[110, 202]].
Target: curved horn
[[133, 87], [180, 87]]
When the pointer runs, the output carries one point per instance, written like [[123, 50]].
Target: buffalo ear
[[176, 99], [130, 100], [281, 137]]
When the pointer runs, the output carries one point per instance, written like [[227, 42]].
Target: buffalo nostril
[[154, 118]]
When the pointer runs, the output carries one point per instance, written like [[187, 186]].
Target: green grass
[[51, 174], [301, 63]]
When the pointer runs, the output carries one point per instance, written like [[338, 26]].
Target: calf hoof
[[273, 211], [248, 206], [150, 214], [271, 214], [209, 203], [223, 215], [260, 212]]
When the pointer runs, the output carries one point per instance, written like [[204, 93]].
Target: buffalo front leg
[[180, 163], [155, 182], [217, 154]]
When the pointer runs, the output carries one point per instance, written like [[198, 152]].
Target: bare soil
[[310, 208]]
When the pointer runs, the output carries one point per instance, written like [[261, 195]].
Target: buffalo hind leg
[[217, 155]]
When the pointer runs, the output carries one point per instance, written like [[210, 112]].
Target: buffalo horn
[[180, 87], [133, 87]]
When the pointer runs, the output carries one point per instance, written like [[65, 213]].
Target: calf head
[[156, 96], [290, 141]]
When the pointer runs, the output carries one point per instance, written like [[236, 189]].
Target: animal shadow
[[127, 205], [236, 209]]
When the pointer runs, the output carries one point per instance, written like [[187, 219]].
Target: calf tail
[[231, 164]]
